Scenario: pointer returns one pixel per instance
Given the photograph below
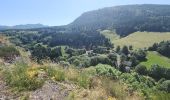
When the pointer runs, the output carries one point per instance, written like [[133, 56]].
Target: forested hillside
[[90, 58], [126, 19]]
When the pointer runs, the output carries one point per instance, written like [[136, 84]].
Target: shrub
[[107, 70], [141, 69], [160, 96], [125, 50], [114, 88], [55, 74], [18, 78], [163, 48], [100, 59], [141, 83], [83, 80], [140, 55], [100, 50], [72, 74], [81, 61], [165, 86], [8, 52], [158, 72]]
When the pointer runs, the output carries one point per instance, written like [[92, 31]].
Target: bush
[[55, 74], [107, 70], [158, 72], [141, 83], [165, 86], [100, 59], [19, 79], [81, 61], [8, 52], [125, 50], [163, 48], [114, 88], [141, 69], [160, 96], [83, 80], [100, 50], [140, 55]]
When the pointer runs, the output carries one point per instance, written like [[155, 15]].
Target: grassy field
[[137, 39], [110, 35], [155, 58]]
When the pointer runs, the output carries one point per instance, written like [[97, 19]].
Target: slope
[[142, 39], [155, 58], [126, 19]]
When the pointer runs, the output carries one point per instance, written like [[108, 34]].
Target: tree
[[164, 50], [158, 72], [125, 50], [165, 86], [112, 56], [118, 49], [141, 69], [140, 55], [154, 47], [134, 60], [130, 47]]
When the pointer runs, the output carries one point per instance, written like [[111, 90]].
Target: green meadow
[[155, 58]]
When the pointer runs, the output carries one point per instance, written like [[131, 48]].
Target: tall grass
[[80, 78], [19, 79], [114, 88]]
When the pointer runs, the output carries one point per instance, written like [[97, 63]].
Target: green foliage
[[112, 56], [165, 86], [55, 73], [19, 79], [8, 52], [140, 55], [155, 58], [158, 72], [141, 83], [126, 19], [118, 49], [100, 59], [141, 69], [107, 70], [114, 88], [83, 80], [160, 96], [100, 50], [130, 47], [40, 52], [125, 50], [163, 48], [80, 61], [75, 52]]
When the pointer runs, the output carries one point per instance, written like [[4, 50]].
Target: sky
[[55, 12]]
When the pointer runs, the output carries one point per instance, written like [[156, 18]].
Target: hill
[[126, 19], [138, 39], [155, 58], [25, 26]]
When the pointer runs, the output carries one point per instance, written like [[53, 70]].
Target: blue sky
[[55, 12]]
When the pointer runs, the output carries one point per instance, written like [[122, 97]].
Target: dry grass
[[138, 39], [110, 35], [142, 39], [103, 88]]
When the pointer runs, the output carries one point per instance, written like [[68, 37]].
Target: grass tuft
[[19, 79]]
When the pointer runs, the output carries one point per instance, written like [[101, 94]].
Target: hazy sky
[[55, 12]]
